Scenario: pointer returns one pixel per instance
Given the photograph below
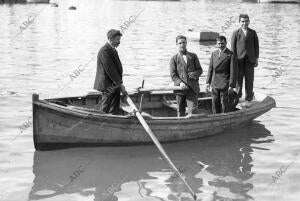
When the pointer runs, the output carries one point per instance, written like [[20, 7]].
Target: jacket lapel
[[119, 62], [116, 57], [223, 55], [113, 52], [188, 58], [220, 59], [182, 62], [248, 33], [241, 34], [216, 58]]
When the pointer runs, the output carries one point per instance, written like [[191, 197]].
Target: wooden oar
[[142, 96], [157, 143], [169, 88]]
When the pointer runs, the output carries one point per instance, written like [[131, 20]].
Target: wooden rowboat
[[75, 121]]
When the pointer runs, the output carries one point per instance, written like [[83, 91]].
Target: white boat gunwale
[[84, 114]]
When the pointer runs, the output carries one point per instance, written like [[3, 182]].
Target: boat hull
[[38, 1], [279, 1], [56, 125]]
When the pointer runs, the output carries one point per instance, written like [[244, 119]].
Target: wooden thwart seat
[[128, 109], [93, 110], [173, 104]]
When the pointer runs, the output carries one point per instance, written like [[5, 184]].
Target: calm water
[[237, 165]]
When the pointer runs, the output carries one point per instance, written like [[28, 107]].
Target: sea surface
[[42, 46]]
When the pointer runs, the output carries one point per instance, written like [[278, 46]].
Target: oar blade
[[157, 144]]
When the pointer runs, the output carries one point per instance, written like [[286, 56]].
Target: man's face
[[115, 41], [221, 44], [181, 43], [244, 23]]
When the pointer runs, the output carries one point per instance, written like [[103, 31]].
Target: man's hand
[[207, 87], [230, 90], [192, 75], [183, 85], [123, 90], [256, 62]]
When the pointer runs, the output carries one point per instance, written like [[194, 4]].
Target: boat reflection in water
[[216, 167]]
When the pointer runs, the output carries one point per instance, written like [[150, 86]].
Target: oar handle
[[142, 96]]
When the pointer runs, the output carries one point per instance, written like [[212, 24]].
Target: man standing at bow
[[109, 74], [244, 44], [185, 70], [221, 75]]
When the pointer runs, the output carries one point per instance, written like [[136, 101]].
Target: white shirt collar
[[221, 51], [184, 57]]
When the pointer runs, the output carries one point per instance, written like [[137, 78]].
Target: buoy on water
[[201, 35], [72, 8]]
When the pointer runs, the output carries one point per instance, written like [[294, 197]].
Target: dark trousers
[[218, 105], [245, 69], [110, 102], [188, 98]]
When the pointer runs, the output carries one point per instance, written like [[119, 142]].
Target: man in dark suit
[[185, 70], [221, 75], [109, 74], [244, 44]]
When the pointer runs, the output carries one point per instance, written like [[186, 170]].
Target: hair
[[180, 37], [113, 33], [221, 38], [243, 16]]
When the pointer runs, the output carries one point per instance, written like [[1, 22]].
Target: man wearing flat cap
[[109, 74]]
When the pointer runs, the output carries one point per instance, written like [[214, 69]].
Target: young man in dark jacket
[[245, 45], [221, 75]]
